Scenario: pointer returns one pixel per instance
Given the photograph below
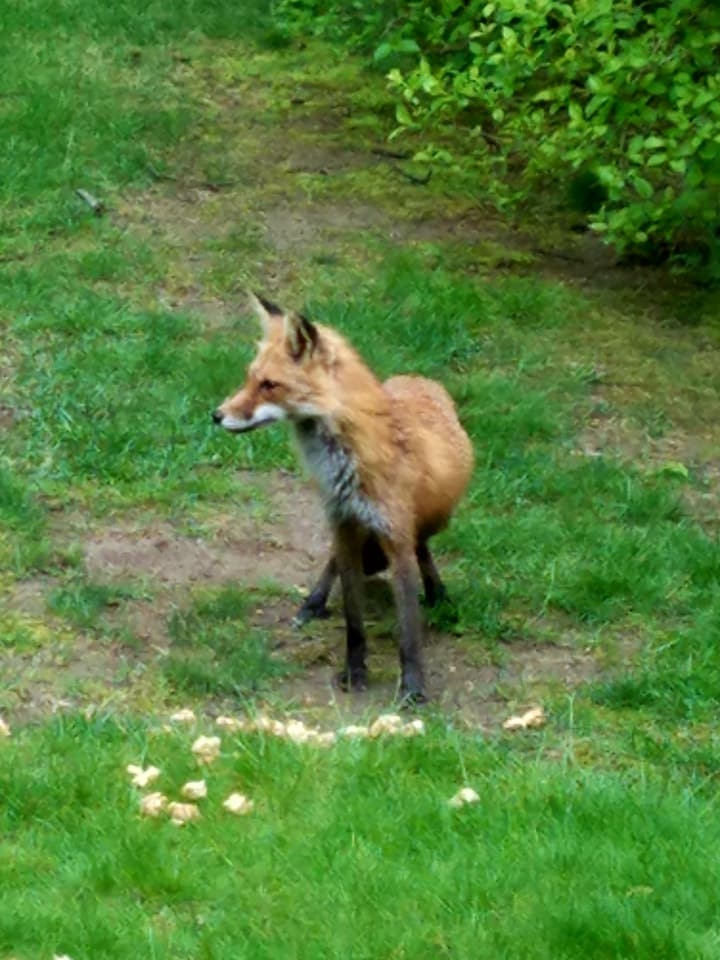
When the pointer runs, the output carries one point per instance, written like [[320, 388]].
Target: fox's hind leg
[[315, 606], [316, 603], [435, 592], [348, 553]]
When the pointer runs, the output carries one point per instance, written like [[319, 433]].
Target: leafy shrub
[[621, 94]]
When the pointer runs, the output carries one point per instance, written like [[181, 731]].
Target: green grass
[[215, 651], [82, 603], [351, 852], [78, 352], [23, 542], [594, 838]]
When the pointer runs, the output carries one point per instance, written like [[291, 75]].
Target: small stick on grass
[[97, 206], [391, 154], [158, 175]]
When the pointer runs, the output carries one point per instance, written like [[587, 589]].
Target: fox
[[390, 460]]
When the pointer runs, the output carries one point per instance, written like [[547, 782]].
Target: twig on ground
[[97, 206], [391, 154], [157, 175]]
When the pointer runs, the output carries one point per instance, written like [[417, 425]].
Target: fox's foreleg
[[348, 557]]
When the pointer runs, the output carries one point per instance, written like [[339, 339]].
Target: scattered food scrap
[[415, 728], [531, 718], [354, 732], [231, 724], [385, 723], [206, 749], [238, 804], [142, 777], [464, 797], [153, 804], [194, 790], [182, 813], [183, 716]]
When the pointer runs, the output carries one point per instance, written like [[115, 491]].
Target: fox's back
[[439, 451]]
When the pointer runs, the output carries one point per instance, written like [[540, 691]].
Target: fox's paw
[[411, 691], [411, 698], [310, 611], [355, 679]]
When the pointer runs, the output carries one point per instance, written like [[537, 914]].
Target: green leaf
[[595, 103], [636, 145], [575, 111], [407, 45], [643, 187], [703, 98], [402, 115]]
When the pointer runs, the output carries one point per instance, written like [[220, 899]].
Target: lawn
[[149, 561]]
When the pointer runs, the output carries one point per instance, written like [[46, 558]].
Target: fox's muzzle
[[263, 415]]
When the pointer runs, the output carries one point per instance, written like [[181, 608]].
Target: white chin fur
[[265, 414]]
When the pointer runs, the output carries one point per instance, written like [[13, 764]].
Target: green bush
[[616, 99]]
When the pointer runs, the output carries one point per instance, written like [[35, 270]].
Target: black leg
[[348, 552], [373, 557], [315, 606], [435, 592], [405, 589]]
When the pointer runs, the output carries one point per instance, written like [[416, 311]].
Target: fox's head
[[289, 377]]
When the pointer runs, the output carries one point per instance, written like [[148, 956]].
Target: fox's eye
[[268, 385]]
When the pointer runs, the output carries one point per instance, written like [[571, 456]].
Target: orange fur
[[391, 460]]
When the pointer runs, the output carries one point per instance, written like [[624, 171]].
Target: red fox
[[391, 462]]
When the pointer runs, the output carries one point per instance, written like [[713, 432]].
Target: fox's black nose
[[217, 416]]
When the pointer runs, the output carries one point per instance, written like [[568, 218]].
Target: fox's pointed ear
[[268, 313], [301, 336]]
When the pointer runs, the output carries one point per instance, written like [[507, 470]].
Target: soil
[[478, 687]]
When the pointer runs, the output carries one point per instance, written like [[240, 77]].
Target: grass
[[351, 852], [23, 543], [596, 837], [83, 603], [214, 650]]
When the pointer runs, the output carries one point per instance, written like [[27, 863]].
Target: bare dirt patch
[[285, 546], [294, 226], [476, 694], [239, 549]]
